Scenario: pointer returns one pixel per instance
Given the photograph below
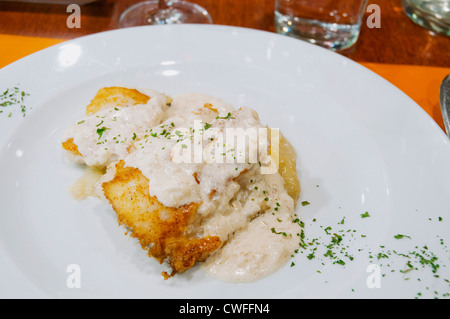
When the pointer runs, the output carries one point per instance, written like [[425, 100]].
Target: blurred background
[[398, 41]]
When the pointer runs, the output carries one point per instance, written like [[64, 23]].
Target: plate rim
[[227, 28]]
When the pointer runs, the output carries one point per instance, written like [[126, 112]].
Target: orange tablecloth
[[418, 82]]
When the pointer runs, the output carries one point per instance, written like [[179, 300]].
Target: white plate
[[363, 146]]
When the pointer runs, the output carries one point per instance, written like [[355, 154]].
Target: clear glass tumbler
[[334, 24], [431, 14]]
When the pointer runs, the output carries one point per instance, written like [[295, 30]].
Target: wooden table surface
[[398, 41]]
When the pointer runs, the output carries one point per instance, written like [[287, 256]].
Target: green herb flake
[[278, 233], [305, 203], [400, 236], [14, 97], [228, 117], [365, 215], [100, 131]]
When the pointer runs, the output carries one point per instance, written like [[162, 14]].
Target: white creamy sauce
[[105, 136], [257, 245], [250, 212]]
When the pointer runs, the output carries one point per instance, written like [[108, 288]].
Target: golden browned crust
[[106, 98], [115, 97], [184, 253], [210, 107], [287, 168], [161, 230], [71, 147]]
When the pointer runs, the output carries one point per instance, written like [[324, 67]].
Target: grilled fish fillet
[[168, 234], [161, 230], [108, 98], [111, 97]]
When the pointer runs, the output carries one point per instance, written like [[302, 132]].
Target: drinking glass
[[163, 12], [334, 24], [431, 14]]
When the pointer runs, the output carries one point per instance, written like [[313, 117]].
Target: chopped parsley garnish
[[365, 215], [100, 131], [400, 236], [305, 203], [278, 233], [14, 97], [228, 117]]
